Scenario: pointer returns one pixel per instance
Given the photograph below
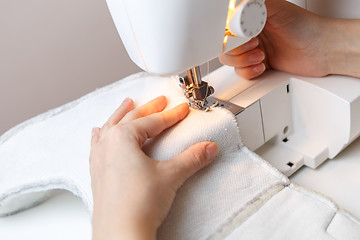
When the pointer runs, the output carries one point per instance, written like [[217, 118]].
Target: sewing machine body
[[170, 37], [290, 120]]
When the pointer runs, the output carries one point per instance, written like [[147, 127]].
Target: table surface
[[338, 179], [64, 216]]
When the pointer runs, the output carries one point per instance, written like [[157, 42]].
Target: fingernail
[[162, 96], [126, 100], [253, 43], [259, 68], [211, 151], [257, 57]]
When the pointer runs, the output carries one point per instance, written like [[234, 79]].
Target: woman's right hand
[[293, 40]]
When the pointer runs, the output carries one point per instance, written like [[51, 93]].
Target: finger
[[126, 106], [187, 163], [156, 105], [251, 72], [95, 133], [154, 124], [247, 59], [250, 45]]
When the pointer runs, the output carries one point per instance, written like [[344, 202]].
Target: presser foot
[[213, 102], [197, 92], [203, 105], [199, 97]]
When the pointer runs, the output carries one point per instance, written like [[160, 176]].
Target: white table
[[338, 179], [65, 217]]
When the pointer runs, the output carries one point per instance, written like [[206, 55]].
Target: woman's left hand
[[132, 192]]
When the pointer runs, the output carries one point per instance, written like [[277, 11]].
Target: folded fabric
[[296, 213], [51, 152]]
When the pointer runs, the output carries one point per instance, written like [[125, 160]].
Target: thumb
[[191, 161]]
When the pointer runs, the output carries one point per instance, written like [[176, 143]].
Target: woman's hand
[[293, 40], [132, 192]]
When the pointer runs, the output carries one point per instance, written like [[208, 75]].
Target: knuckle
[[239, 71], [130, 116], [163, 118], [130, 131], [124, 129], [106, 125], [245, 72], [136, 113], [121, 127], [197, 159], [228, 60], [222, 57], [242, 73]]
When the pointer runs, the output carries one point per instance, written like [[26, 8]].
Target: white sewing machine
[[303, 120], [290, 121], [153, 35]]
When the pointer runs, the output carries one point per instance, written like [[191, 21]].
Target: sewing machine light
[[232, 4], [227, 31], [248, 18]]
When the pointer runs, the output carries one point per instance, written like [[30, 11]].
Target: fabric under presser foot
[[51, 151]]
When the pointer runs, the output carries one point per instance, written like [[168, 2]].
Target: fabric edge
[[53, 184], [63, 108], [326, 201]]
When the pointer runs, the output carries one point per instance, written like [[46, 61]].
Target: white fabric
[[51, 151], [298, 214], [344, 226], [236, 194], [212, 198]]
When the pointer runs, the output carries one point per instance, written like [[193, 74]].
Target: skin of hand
[[297, 41], [132, 192]]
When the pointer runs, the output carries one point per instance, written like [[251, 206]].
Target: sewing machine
[[290, 121], [153, 38]]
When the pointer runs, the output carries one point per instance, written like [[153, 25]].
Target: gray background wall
[[54, 51]]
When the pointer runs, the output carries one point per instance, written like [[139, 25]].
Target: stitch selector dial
[[248, 18]]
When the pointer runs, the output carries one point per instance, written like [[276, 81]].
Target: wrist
[[341, 48], [135, 231], [126, 229], [117, 222]]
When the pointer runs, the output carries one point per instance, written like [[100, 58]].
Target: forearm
[[342, 46], [111, 221]]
